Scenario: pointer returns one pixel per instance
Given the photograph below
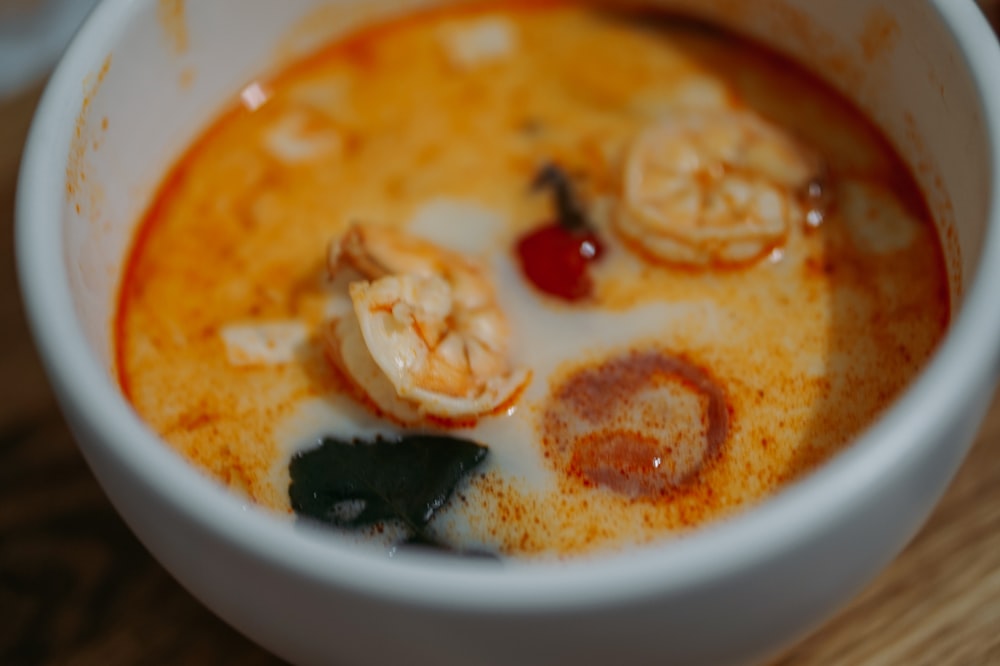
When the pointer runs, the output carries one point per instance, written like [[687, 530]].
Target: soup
[[597, 302]]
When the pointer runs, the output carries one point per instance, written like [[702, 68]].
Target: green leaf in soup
[[358, 484]]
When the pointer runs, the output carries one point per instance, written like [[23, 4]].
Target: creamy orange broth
[[808, 344]]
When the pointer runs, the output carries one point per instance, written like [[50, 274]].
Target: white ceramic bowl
[[136, 86]]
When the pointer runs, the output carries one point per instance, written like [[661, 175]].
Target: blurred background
[[32, 35], [77, 588]]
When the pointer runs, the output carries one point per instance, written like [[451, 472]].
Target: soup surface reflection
[[655, 270]]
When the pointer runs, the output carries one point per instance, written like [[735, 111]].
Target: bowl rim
[[966, 362]]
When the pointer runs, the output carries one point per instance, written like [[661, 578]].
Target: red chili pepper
[[555, 259], [556, 255]]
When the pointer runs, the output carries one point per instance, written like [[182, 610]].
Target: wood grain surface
[[77, 588]]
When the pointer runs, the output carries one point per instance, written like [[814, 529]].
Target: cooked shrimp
[[430, 325], [705, 187]]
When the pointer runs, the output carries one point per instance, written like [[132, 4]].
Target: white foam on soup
[[458, 224]]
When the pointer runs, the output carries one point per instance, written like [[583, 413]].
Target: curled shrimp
[[426, 337], [714, 187]]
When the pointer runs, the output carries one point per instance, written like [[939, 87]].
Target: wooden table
[[77, 588]]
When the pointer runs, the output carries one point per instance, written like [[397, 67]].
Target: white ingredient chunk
[[259, 344], [471, 44], [877, 220], [698, 93], [292, 141]]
